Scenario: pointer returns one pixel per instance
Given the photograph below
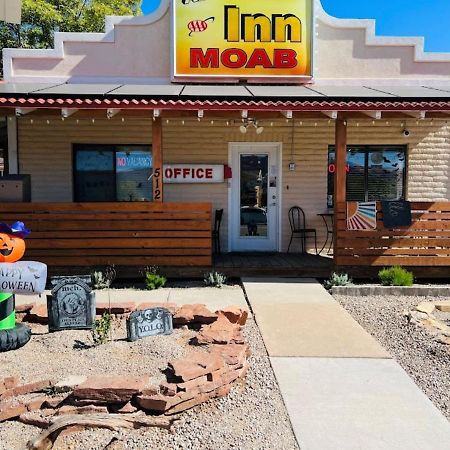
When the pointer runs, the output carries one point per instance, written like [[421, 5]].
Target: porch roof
[[315, 97]]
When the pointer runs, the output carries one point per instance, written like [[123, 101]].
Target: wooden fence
[[123, 234], [425, 243]]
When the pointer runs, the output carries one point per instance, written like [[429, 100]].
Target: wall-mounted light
[[246, 123]]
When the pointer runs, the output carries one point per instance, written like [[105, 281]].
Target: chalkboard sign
[[396, 214]]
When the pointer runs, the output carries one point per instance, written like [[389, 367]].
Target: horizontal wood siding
[[45, 152], [425, 243], [123, 234]]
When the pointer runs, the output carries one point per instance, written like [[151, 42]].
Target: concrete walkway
[[342, 390]]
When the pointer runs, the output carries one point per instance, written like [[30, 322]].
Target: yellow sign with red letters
[[242, 38]]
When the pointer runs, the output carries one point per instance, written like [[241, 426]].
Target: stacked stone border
[[425, 316], [373, 290], [219, 359]]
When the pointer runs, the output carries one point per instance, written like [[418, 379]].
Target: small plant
[[102, 329], [338, 279], [153, 280], [215, 279], [395, 276], [103, 280]]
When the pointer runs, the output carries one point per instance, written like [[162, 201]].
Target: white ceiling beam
[[66, 112], [111, 112], [331, 114], [200, 113], [287, 114], [24, 111], [416, 114], [244, 114], [156, 113], [373, 114]]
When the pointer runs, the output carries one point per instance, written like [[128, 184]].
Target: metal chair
[[216, 231], [297, 221]]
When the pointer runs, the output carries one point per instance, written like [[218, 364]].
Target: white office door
[[254, 198]]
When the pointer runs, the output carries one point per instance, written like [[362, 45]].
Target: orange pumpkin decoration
[[12, 248]]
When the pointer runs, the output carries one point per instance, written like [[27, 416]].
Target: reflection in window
[[254, 170], [374, 173], [113, 173]]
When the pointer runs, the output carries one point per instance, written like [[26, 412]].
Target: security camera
[[406, 133]]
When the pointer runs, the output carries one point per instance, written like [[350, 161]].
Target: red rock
[[55, 402], [234, 314], [233, 354], [172, 307], [36, 403], [222, 331], [157, 402], [38, 314], [11, 410], [150, 390], [8, 383], [195, 365], [90, 409], [128, 408], [115, 308], [114, 389], [169, 389], [25, 308], [26, 389], [191, 314], [193, 384]]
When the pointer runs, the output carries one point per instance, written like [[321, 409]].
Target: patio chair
[[297, 221], [216, 231]]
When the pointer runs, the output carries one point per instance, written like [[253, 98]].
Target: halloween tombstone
[[149, 322], [24, 277], [71, 304]]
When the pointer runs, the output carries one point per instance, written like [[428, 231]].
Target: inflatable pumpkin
[[12, 248]]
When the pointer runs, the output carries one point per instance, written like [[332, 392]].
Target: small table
[[329, 224]]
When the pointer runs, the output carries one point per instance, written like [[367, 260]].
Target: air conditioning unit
[[15, 188]]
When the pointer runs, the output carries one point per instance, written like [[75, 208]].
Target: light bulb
[[259, 130], [243, 129]]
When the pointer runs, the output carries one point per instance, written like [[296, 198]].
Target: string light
[[271, 124], [93, 121], [31, 121], [48, 122], [212, 122], [182, 122], [300, 123], [123, 119], [167, 121], [78, 121]]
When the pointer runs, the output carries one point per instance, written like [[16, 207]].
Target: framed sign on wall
[[242, 39]]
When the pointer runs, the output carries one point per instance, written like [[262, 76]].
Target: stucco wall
[[46, 153], [345, 50]]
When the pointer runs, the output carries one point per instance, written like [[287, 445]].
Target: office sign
[[242, 39], [193, 173]]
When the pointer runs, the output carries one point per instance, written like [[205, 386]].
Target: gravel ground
[[427, 362], [251, 417]]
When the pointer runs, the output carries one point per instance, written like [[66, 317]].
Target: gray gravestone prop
[[72, 304], [149, 322]]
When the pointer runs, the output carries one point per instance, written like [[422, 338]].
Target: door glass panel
[[253, 196]]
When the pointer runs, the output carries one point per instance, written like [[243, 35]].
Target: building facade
[[364, 119]]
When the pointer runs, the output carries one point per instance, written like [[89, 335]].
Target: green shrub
[[395, 276], [215, 279], [102, 329], [338, 279], [153, 280]]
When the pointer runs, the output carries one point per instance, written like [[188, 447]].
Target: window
[[105, 173], [374, 173]]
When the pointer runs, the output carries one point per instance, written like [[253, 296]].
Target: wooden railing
[[124, 234], [425, 243]]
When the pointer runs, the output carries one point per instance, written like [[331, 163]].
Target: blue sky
[[429, 18]]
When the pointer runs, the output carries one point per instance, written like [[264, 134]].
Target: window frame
[[367, 149], [102, 147]]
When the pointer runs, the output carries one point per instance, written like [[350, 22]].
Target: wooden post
[[340, 175], [158, 188]]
